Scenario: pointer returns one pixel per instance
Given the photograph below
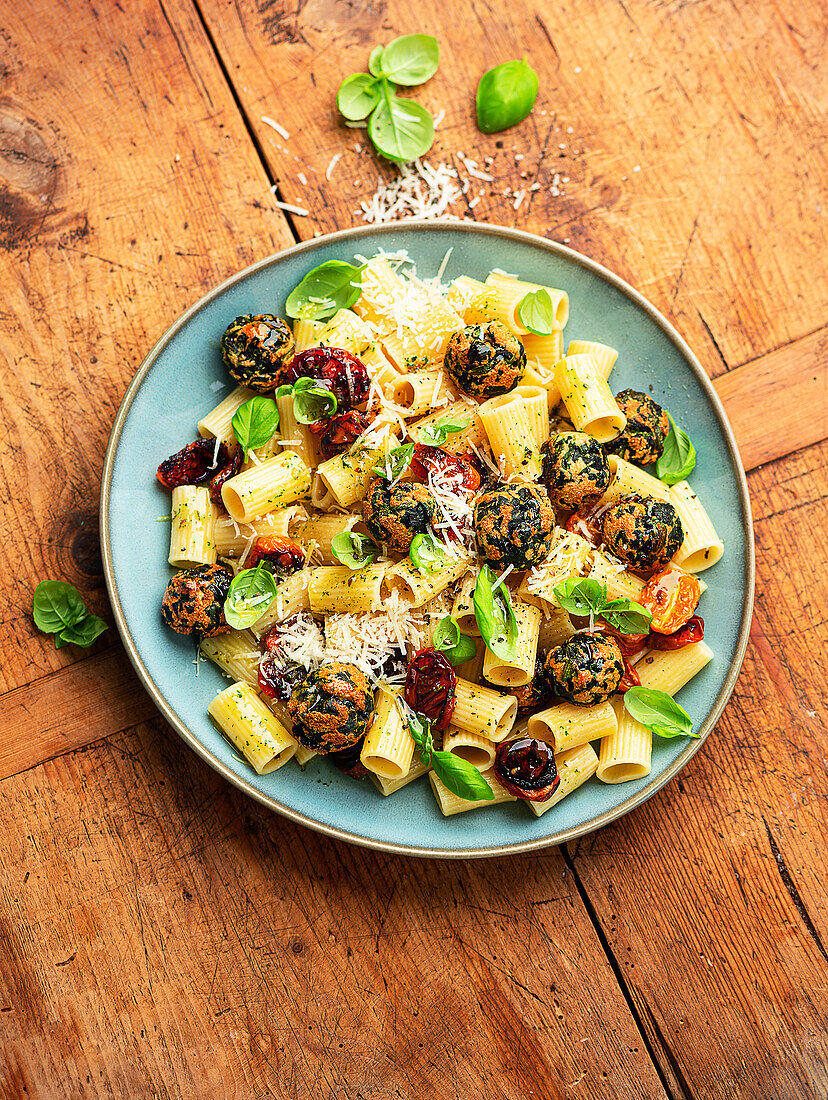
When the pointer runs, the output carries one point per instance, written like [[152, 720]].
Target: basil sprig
[[354, 550], [312, 400], [537, 312], [447, 638], [505, 96], [659, 712], [396, 462], [461, 777], [495, 615], [435, 435], [582, 596], [426, 553], [678, 459], [401, 129], [58, 608], [325, 290], [251, 593], [254, 422]]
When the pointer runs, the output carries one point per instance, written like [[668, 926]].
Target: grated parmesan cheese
[[275, 126], [422, 190]]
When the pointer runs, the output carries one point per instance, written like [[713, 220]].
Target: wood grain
[[208, 947], [128, 187]]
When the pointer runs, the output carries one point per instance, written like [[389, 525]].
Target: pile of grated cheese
[[422, 190]]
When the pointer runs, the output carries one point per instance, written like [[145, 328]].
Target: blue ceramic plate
[[179, 381]]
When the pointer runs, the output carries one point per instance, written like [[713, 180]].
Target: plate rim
[[476, 228]]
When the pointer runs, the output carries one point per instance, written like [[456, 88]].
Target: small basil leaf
[[83, 633], [251, 594], [537, 312], [627, 616], [505, 96], [375, 61], [326, 289], [447, 638], [581, 596], [410, 60], [435, 435], [495, 616], [396, 462], [678, 459], [426, 553], [401, 129], [354, 550], [659, 712], [420, 729], [461, 777], [254, 422], [56, 605], [358, 95], [312, 401], [284, 391]]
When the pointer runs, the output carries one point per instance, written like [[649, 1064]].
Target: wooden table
[[164, 936]]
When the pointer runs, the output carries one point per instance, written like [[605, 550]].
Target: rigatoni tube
[[277, 482], [244, 719]]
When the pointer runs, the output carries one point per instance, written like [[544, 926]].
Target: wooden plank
[[128, 187], [688, 150], [208, 947], [712, 895], [94, 698], [779, 403]]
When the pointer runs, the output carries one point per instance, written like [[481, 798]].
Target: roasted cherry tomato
[[629, 644], [692, 631], [456, 469], [228, 471], [279, 553], [671, 597], [278, 675], [629, 679], [344, 373], [348, 760], [587, 526], [338, 432], [193, 464], [526, 768], [430, 687]]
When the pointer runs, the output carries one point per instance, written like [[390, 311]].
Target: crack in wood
[[795, 896]]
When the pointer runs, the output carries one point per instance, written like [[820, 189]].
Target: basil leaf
[[461, 777], [57, 605], [400, 129], [83, 633], [495, 616], [581, 596], [354, 550], [505, 96], [254, 422], [678, 459], [435, 435], [396, 462], [410, 60], [420, 729], [251, 594], [284, 391], [426, 553], [537, 312], [312, 400], [447, 638], [659, 712], [627, 616], [358, 95], [326, 289], [375, 61]]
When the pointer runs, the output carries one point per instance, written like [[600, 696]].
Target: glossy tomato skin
[[629, 644], [340, 431], [672, 597], [526, 768], [431, 686], [630, 678], [193, 464], [342, 372], [587, 526], [456, 469], [280, 554], [689, 634], [230, 469]]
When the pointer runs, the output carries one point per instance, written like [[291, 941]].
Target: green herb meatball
[[643, 532], [485, 360], [394, 515], [586, 669], [575, 470], [193, 601], [514, 524], [256, 349], [331, 707], [642, 440]]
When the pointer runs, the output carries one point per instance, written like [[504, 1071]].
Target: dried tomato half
[[587, 526], [671, 596], [430, 687], [692, 631], [279, 553], [193, 464], [344, 373], [453, 468], [278, 675], [629, 644], [338, 432], [629, 679], [230, 470], [526, 768]]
